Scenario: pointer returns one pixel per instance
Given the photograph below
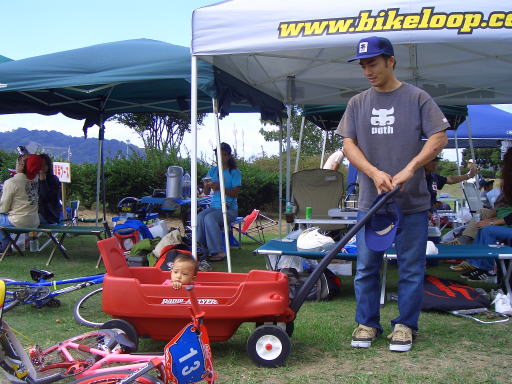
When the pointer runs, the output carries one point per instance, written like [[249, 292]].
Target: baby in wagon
[[184, 270]]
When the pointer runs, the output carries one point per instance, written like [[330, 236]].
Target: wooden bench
[[56, 233]]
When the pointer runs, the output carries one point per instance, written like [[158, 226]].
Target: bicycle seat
[[38, 274]]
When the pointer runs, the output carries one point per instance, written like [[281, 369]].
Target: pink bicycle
[[102, 356]]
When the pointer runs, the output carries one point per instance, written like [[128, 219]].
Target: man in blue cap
[[382, 129]]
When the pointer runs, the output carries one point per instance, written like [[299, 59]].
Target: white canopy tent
[[297, 52]]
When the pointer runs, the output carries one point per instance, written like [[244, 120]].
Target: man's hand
[[382, 181], [402, 177], [473, 170]]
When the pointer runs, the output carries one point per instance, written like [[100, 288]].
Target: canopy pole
[[472, 149], [103, 188], [288, 158], [457, 153], [323, 150], [280, 179], [98, 171], [222, 184], [193, 159], [300, 144]]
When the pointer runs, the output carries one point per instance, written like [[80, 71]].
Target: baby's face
[[183, 272]]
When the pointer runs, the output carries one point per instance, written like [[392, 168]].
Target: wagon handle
[[322, 265], [194, 306]]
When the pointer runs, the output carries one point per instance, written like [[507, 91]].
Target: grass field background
[[448, 349]]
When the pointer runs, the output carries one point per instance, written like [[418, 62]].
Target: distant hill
[[56, 143]]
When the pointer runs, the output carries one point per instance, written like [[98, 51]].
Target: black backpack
[[326, 287], [450, 295]]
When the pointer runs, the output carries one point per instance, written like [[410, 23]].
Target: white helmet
[[312, 240]]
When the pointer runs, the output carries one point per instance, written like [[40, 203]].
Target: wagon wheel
[[268, 346], [127, 329]]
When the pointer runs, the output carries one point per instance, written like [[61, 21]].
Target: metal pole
[[300, 144], [193, 159], [280, 178], [323, 150], [222, 184]]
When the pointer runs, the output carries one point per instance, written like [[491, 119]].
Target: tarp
[[458, 51], [127, 76], [489, 125]]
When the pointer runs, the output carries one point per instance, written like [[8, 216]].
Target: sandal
[[217, 257]]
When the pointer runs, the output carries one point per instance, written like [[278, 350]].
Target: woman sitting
[[49, 193], [19, 203], [210, 221]]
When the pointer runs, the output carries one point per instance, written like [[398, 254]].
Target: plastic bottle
[[185, 185], [33, 242]]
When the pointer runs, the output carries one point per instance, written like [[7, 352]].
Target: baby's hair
[[185, 257]]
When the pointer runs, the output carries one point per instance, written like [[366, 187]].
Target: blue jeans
[[4, 220], [410, 245], [209, 225], [490, 235]]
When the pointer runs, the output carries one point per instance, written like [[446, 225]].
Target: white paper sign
[[62, 171]]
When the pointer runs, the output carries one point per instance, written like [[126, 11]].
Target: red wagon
[[145, 302]]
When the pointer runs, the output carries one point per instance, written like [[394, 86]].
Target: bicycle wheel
[[52, 361], [115, 377], [87, 310]]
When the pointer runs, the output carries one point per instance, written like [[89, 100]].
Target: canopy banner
[[443, 47]]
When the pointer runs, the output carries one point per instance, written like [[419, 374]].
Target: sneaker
[[204, 266], [462, 267], [502, 304], [479, 275], [363, 336], [401, 338]]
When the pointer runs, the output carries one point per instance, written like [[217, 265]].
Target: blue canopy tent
[[97, 82], [489, 125]]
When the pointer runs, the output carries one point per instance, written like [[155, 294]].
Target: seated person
[[19, 203], [479, 269], [489, 193], [210, 221], [184, 270], [49, 193]]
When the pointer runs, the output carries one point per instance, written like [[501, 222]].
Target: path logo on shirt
[[382, 121]]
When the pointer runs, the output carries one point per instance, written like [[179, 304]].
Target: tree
[[159, 131], [312, 136]]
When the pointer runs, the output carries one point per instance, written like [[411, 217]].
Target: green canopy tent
[[97, 82]]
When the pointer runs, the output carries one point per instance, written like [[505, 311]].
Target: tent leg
[[193, 160], [222, 184]]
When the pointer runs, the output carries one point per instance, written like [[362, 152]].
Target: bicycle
[[94, 357], [43, 291]]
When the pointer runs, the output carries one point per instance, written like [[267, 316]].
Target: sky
[[35, 27]]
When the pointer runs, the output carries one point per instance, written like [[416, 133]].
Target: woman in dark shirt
[[49, 193]]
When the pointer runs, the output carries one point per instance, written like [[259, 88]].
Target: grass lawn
[[448, 349]]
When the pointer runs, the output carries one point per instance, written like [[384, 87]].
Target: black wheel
[[115, 377], [125, 327], [268, 346], [88, 310], [52, 361]]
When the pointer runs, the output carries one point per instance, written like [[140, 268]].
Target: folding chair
[[255, 222], [320, 189], [473, 198]]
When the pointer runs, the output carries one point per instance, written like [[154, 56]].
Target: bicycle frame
[[31, 295], [184, 357]]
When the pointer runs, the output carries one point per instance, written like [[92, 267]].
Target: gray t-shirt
[[388, 127]]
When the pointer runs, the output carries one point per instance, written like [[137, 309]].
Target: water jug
[[173, 187], [185, 186]]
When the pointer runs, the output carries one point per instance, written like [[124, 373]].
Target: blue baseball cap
[[380, 230], [373, 46]]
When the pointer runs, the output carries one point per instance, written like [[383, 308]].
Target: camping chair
[[253, 223], [473, 198], [320, 189]]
